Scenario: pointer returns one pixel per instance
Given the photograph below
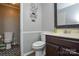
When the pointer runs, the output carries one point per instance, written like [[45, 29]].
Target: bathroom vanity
[[62, 45]]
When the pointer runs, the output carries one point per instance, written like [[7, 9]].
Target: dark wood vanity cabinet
[[52, 49], [60, 46]]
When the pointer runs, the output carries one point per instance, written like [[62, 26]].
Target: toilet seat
[[38, 45]]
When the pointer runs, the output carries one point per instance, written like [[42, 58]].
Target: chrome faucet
[[67, 31]]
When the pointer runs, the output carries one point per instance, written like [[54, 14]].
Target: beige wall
[[9, 21]]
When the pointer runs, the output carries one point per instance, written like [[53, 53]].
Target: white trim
[[32, 32], [21, 28], [28, 53]]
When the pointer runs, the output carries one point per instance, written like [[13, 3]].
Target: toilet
[[39, 46], [8, 39]]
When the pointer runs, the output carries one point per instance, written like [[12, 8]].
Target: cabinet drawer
[[62, 42], [51, 39]]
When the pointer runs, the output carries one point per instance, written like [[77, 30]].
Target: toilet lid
[[38, 43]]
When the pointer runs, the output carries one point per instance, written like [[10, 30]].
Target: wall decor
[[34, 10]]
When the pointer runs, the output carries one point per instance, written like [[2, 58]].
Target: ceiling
[[16, 5]]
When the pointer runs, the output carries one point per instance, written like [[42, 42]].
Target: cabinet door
[[52, 50], [68, 52]]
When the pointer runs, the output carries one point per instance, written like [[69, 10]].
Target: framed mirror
[[66, 15]]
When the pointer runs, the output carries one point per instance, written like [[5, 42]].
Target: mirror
[[67, 14]]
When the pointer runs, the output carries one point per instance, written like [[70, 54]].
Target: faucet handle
[[67, 31]]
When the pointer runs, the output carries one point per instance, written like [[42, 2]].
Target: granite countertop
[[67, 35]]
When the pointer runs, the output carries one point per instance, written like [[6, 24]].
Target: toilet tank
[[43, 38], [8, 36]]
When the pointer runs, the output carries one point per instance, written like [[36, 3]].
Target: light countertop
[[67, 35]]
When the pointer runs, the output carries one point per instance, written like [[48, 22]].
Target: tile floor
[[14, 51]]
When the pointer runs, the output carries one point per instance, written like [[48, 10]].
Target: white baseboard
[[32, 32], [28, 53]]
